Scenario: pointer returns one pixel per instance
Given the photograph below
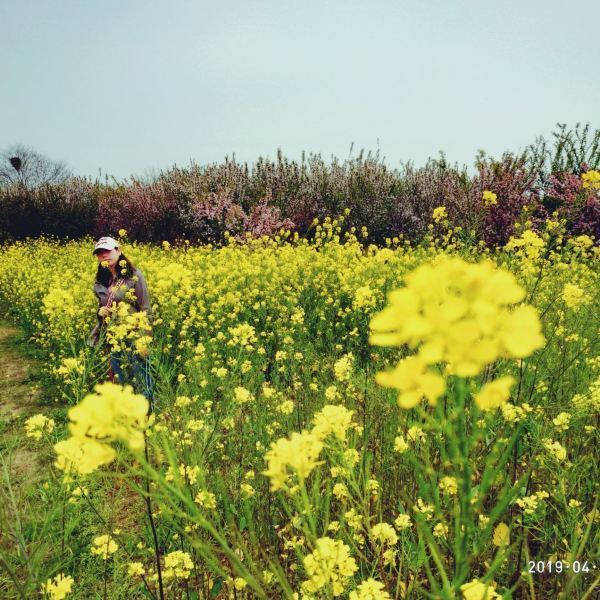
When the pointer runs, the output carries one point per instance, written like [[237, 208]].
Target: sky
[[127, 87]]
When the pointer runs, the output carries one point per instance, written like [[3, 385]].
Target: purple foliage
[[202, 203], [147, 211], [588, 219], [514, 185]]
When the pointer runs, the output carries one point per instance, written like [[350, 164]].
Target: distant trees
[[572, 150], [202, 203], [22, 164]]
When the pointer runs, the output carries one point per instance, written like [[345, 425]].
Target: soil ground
[[20, 397]]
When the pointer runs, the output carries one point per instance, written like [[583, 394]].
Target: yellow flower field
[[332, 420]]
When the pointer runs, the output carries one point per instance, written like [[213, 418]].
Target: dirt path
[[19, 399], [24, 468]]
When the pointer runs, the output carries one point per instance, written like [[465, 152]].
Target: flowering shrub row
[[201, 204]]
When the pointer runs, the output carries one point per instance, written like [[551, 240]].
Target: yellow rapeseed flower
[[489, 198], [501, 535], [591, 180], [332, 419], [206, 499], [400, 444], [343, 368], [448, 485], [370, 590], [562, 421], [242, 395], [530, 503], [556, 449], [328, 566], [37, 425], [384, 533], [297, 454], [402, 522], [239, 583], [574, 296], [477, 590], [178, 564], [495, 393], [440, 530], [104, 546], [413, 381], [82, 455], [59, 587], [135, 568], [439, 214], [111, 413], [459, 313]]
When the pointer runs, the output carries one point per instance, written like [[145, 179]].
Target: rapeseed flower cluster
[[489, 198], [477, 590], [495, 393], [402, 522], [206, 499], [343, 368], [439, 214], [112, 413], [574, 296], [384, 533], [364, 297], [529, 245], [38, 425], [58, 587], [332, 420], [126, 327], [297, 454], [501, 535], [135, 568], [370, 589], [556, 449], [591, 180], [448, 485], [562, 421], [70, 369], [104, 546], [178, 564], [456, 313], [531, 503], [329, 566], [266, 337]]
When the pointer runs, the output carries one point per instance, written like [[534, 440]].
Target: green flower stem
[[465, 519]]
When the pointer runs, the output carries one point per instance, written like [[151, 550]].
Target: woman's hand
[[104, 311]]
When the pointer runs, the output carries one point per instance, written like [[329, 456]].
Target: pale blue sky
[[134, 85]]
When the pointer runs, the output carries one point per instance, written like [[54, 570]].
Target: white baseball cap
[[106, 243]]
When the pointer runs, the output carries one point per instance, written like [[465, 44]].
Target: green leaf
[[216, 588]]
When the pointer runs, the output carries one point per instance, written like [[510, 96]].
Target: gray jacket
[[142, 298]]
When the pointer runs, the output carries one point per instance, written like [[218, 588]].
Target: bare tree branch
[[22, 164]]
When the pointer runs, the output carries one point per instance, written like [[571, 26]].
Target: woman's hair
[[104, 275]]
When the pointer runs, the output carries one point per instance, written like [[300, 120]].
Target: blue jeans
[[130, 366]]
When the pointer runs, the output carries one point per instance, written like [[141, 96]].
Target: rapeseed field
[[332, 419]]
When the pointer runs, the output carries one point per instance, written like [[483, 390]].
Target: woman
[[118, 281]]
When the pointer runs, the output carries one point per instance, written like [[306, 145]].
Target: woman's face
[[108, 257]]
